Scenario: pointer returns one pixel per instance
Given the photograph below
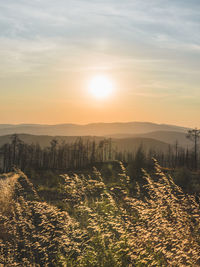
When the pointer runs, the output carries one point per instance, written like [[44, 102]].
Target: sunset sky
[[149, 50]]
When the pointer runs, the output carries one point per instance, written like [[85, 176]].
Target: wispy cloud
[[158, 36]]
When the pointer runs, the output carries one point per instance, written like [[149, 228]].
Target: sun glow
[[101, 87]]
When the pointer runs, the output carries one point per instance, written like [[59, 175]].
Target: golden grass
[[103, 226]]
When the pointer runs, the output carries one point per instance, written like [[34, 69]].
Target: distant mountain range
[[126, 136], [93, 129]]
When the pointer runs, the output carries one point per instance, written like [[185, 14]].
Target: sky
[[51, 50]]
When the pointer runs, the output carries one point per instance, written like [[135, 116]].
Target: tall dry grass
[[102, 225]]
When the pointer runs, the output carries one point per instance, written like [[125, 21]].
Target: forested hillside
[[122, 144], [169, 137]]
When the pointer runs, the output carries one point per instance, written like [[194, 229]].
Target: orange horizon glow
[[53, 58]]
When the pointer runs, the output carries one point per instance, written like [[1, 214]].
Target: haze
[[50, 50]]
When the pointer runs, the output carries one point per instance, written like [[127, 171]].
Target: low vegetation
[[91, 222]]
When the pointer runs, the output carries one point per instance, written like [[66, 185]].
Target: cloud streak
[[156, 42]]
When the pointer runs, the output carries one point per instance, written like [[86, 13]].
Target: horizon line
[[90, 123]]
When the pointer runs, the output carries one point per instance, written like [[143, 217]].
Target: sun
[[100, 87]]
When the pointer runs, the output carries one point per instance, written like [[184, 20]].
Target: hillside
[[132, 144], [97, 129], [170, 137], [45, 140], [128, 144]]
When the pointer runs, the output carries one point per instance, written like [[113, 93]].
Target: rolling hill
[[132, 144], [170, 137], [94, 129], [123, 144], [44, 140]]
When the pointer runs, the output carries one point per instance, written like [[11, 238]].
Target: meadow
[[84, 220]]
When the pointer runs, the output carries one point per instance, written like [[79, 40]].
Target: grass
[[97, 224]]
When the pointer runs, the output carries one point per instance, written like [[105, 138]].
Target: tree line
[[66, 156], [83, 153], [175, 157]]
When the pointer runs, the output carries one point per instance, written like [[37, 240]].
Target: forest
[[82, 153]]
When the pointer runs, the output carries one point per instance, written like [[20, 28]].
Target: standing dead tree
[[194, 136]]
